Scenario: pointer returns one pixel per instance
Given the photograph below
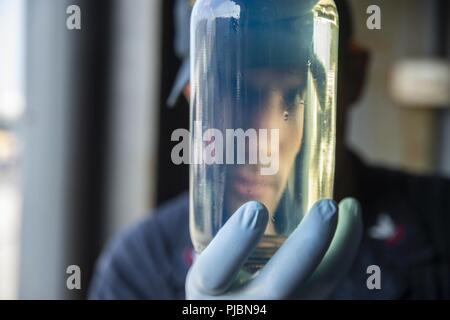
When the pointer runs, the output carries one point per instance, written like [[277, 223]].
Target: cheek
[[291, 134]]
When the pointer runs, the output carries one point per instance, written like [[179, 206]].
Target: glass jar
[[263, 103]]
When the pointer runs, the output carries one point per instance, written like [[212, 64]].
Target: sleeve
[[132, 266], [431, 196]]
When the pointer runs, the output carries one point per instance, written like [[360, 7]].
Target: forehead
[[283, 79]]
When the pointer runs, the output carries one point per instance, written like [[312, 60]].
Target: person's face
[[276, 100]]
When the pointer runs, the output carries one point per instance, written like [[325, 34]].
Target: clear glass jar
[[263, 104]]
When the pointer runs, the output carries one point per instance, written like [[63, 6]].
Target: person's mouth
[[250, 185]]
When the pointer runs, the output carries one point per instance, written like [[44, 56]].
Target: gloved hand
[[309, 265]]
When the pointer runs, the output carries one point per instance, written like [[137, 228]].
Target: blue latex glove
[[309, 265]]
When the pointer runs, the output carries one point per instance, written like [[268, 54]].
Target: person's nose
[[268, 124]]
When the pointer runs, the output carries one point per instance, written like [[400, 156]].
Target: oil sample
[[263, 104]]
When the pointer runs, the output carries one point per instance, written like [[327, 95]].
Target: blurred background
[[85, 130]]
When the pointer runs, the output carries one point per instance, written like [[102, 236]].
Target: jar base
[[263, 252]]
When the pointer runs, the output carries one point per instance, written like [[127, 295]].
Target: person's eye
[[292, 98]]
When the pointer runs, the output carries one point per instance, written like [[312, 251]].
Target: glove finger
[[217, 266], [340, 255], [300, 254]]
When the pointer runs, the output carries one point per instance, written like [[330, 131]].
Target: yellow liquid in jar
[[229, 91]]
